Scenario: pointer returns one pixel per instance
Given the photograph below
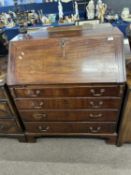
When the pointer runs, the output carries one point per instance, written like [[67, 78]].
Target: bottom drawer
[[71, 127], [9, 126]]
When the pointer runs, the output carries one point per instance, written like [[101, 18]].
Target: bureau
[[68, 81], [125, 127], [9, 122]]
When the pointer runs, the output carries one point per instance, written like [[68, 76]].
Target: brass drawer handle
[[42, 129], [97, 94], [92, 130], [96, 104], [37, 106], [3, 110], [33, 93], [22, 53], [95, 115], [40, 116]]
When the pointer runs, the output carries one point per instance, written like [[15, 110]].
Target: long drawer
[[69, 103], [9, 126], [5, 111], [67, 91], [69, 115], [94, 128]]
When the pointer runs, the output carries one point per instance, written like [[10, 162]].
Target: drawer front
[[8, 126], [94, 128], [2, 94], [68, 103], [5, 110], [97, 91], [98, 115]]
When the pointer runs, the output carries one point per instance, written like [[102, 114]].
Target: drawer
[[69, 103], [5, 110], [71, 127], [69, 91], [98, 115], [2, 93], [8, 126]]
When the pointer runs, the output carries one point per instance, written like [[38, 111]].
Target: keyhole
[[63, 43]]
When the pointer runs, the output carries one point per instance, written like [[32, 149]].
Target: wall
[[117, 5], [11, 2]]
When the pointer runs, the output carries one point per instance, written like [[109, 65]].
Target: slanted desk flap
[[76, 59]]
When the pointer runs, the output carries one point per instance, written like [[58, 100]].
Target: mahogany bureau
[[68, 81], [125, 127], [9, 123]]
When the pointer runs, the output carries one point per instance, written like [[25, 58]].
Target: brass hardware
[[20, 57], [42, 129], [22, 53], [95, 105], [110, 38], [33, 93], [40, 116], [97, 94], [39, 106], [95, 130], [2, 107], [63, 43], [95, 115]]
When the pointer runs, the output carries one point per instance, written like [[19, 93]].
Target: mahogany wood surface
[[67, 91], [125, 128], [9, 122], [69, 115], [69, 103], [70, 127], [93, 56], [9, 126], [5, 111], [68, 81], [2, 94]]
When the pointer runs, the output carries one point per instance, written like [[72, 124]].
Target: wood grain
[[68, 81], [68, 58]]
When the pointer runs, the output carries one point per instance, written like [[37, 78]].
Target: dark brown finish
[[70, 83], [70, 115], [125, 128], [69, 103], [5, 111], [9, 126], [2, 94], [67, 91], [67, 58], [70, 127], [9, 122], [112, 140]]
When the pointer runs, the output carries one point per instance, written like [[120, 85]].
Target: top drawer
[[69, 91]]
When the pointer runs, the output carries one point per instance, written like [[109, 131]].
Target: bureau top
[[70, 31], [67, 55]]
